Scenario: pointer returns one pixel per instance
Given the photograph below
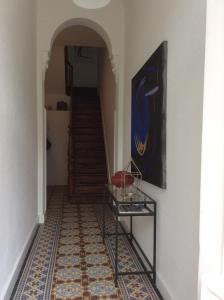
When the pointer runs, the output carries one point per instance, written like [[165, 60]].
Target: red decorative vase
[[122, 179]]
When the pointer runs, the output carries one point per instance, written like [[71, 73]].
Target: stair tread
[[87, 169]]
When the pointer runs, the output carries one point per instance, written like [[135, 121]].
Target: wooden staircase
[[87, 161]]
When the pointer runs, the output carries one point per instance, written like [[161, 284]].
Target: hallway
[[68, 259]]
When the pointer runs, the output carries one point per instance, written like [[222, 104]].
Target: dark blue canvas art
[[148, 145]]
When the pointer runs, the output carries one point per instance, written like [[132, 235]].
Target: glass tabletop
[[121, 197]]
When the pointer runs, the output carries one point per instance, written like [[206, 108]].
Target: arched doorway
[[78, 37], [115, 54]]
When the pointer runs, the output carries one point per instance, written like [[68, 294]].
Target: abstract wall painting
[[148, 133]]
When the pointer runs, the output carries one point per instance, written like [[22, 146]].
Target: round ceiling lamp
[[91, 4]]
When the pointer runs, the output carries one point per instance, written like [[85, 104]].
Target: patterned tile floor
[[68, 260]]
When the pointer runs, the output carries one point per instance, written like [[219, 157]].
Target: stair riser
[[87, 169]]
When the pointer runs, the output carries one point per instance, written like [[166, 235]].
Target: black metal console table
[[138, 205]]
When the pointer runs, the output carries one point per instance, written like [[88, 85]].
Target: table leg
[[103, 221], [154, 244], [116, 250], [131, 231]]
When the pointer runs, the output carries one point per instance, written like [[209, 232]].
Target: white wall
[[67, 14], [212, 180], [57, 121], [107, 97], [55, 75], [52, 99], [182, 23], [18, 131], [79, 36], [57, 155]]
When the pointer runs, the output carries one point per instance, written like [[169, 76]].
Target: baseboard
[[7, 291], [163, 289], [160, 284], [41, 219]]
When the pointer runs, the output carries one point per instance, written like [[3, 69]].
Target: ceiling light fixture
[[91, 4]]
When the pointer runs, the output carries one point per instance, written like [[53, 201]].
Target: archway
[[43, 53], [66, 35], [86, 23]]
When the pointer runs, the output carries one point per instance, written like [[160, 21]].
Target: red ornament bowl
[[122, 179]]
